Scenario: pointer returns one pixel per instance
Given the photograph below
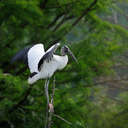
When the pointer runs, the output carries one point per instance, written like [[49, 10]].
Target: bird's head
[[65, 50]]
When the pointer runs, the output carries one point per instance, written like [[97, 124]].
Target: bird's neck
[[65, 57], [63, 61]]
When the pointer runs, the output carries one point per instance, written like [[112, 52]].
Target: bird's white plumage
[[57, 63], [48, 69], [42, 64], [34, 56]]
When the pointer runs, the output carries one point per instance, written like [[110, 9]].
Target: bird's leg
[[46, 90], [51, 106], [47, 97], [52, 97]]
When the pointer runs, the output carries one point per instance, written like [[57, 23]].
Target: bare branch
[[61, 118], [55, 20], [62, 22], [85, 12]]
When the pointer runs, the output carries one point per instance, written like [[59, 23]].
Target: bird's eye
[[66, 49]]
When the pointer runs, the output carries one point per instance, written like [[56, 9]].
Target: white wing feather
[[57, 44], [34, 56]]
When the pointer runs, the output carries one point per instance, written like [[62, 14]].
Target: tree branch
[[55, 20], [61, 118], [85, 12], [62, 22]]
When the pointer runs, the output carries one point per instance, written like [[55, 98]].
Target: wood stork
[[43, 64]]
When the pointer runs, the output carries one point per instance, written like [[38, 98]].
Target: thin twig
[[59, 24], [61, 118], [65, 18], [85, 12], [55, 20]]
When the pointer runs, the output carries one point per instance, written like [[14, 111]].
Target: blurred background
[[90, 94]]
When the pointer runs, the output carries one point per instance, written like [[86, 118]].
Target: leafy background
[[90, 94]]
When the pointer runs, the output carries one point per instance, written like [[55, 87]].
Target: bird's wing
[[48, 56], [21, 55], [34, 56]]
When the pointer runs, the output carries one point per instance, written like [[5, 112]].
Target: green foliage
[[94, 39]]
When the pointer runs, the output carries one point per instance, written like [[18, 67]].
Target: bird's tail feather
[[32, 80]]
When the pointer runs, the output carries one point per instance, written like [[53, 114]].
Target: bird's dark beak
[[72, 55]]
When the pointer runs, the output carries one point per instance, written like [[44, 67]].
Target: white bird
[[43, 64]]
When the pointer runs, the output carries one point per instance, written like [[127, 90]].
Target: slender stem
[[61, 118]]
